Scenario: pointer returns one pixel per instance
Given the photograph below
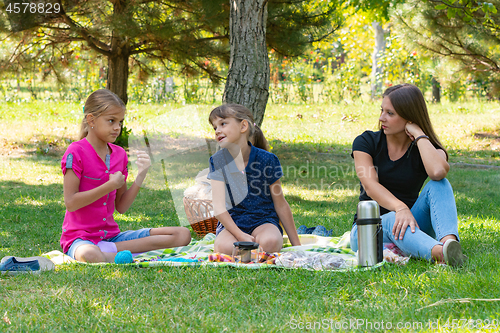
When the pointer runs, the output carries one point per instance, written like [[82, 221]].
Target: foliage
[[377, 10], [189, 37], [167, 31], [464, 31], [333, 69], [122, 139], [292, 26]]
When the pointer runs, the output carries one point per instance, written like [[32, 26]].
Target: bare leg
[[269, 237], [92, 253], [160, 238], [445, 238], [437, 251], [224, 242]]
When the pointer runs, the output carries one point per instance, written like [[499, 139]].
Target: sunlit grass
[[319, 184]]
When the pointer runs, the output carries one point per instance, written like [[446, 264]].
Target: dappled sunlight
[[102, 308], [28, 201], [329, 191], [29, 171], [114, 274], [189, 120], [63, 292], [464, 197], [315, 124]]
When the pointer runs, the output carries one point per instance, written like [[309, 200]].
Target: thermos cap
[[368, 209], [246, 245]]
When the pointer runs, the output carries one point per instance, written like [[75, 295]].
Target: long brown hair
[[96, 104], [240, 113], [408, 101]]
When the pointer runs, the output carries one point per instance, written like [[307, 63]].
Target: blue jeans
[[436, 214]]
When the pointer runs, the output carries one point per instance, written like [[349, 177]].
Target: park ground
[[313, 144]]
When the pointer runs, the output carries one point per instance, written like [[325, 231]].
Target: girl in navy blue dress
[[246, 189]]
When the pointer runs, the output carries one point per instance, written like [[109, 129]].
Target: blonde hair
[[96, 104], [240, 113]]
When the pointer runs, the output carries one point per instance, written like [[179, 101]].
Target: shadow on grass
[[336, 214], [30, 217]]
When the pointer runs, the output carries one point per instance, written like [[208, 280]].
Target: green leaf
[[493, 9], [441, 6], [451, 13]]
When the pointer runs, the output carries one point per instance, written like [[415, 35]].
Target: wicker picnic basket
[[200, 215]]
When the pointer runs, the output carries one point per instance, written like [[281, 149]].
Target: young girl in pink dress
[[95, 174]]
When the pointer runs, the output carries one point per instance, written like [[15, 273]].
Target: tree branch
[[93, 43]]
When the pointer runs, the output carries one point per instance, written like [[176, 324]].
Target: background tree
[[378, 13], [465, 31], [185, 32], [189, 33], [292, 27], [248, 77]]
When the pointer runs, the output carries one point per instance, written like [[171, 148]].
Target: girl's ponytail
[[84, 128], [259, 140]]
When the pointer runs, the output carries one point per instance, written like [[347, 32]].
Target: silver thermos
[[370, 236]]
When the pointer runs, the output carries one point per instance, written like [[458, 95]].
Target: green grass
[[321, 187]]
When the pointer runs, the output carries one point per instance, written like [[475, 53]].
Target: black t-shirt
[[403, 178]]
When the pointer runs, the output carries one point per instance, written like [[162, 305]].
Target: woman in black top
[[392, 165]]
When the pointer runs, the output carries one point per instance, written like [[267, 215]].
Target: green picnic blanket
[[198, 251]]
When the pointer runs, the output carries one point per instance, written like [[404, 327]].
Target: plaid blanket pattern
[[200, 253]]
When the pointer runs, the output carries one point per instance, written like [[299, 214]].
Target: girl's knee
[[181, 236], [270, 244], [221, 246], [184, 235], [89, 254]]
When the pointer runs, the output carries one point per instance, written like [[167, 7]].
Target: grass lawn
[[313, 144]]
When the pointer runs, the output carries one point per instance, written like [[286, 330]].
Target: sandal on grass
[[452, 253]]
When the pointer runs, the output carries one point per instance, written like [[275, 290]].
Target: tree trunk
[[377, 52], [436, 91], [118, 61], [118, 74], [248, 77]]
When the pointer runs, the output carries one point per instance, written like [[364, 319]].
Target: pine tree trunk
[[118, 61], [248, 77], [118, 74]]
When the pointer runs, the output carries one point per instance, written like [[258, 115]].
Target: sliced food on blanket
[[317, 261]]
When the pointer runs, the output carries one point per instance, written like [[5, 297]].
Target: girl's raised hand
[[143, 162], [117, 179]]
